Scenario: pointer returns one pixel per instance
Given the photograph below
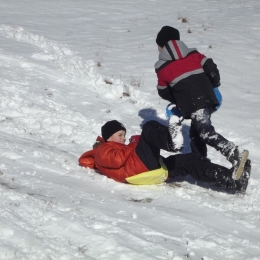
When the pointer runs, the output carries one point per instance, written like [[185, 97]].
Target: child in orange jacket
[[113, 158]]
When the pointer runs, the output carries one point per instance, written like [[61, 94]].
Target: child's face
[[118, 137], [159, 48]]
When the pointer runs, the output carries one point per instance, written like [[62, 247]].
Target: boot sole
[[238, 173]]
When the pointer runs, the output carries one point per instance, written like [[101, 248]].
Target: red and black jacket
[[186, 78]]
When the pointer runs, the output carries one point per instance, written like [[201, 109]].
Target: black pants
[[202, 133], [155, 136]]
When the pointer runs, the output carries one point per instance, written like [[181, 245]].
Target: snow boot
[[174, 128], [241, 184], [238, 160]]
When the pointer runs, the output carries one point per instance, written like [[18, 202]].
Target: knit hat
[[166, 34], [111, 127]]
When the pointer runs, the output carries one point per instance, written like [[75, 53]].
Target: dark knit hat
[[111, 127], [166, 34]]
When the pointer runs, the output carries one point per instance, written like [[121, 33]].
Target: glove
[[134, 138], [172, 110], [218, 96]]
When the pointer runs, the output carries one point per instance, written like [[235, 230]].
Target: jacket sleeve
[[166, 94], [164, 90], [211, 70], [115, 156], [87, 159]]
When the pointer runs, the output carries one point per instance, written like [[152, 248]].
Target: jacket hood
[[174, 50]]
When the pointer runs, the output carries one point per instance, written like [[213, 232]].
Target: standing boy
[[187, 78]]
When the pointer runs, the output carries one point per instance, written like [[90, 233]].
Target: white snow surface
[[66, 67]]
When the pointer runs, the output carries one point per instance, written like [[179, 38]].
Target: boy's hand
[[134, 138], [171, 109]]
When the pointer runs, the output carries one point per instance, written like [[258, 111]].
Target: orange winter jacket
[[115, 160]]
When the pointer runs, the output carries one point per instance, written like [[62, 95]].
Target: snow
[[67, 67], [175, 129]]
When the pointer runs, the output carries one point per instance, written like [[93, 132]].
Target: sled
[[157, 176]]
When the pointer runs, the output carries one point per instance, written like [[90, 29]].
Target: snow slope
[[66, 67]]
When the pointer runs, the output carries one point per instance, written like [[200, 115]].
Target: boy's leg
[[242, 183], [197, 144], [202, 123], [203, 170], [198, 167], [154, 137]]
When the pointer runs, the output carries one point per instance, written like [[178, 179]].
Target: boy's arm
[[87, 159], [166, 93], [211, 70], [164, 90]]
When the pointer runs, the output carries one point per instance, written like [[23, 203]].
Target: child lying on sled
[[113, 158]]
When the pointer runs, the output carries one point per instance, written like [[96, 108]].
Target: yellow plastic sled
[[157, 176]]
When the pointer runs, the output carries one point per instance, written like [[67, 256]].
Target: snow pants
[[155, 136], [202, 133]]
